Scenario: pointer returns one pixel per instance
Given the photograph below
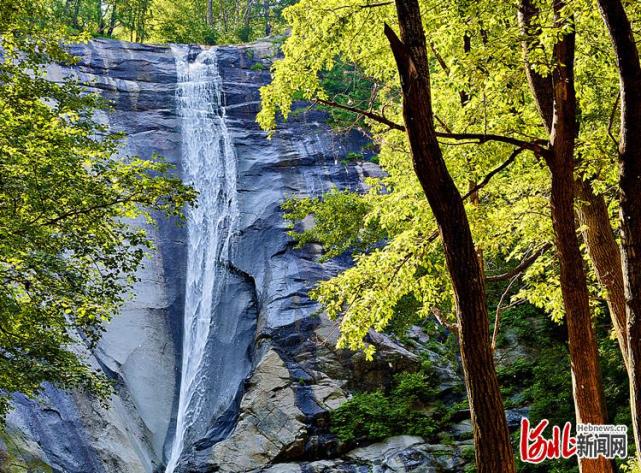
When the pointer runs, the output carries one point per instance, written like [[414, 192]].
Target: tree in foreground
[[558, 101], [512, 222], [629, 67], [67, 251], [491, 437]]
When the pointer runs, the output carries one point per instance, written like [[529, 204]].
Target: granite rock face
[[278, 421]]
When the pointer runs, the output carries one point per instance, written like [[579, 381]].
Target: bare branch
[[499, 307], [612, 114], [536, 146], [521, 267], [371, 115]]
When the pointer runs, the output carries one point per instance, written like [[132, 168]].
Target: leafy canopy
[[481, 89], [189, 21]]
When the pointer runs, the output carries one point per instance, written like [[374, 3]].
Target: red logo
[[535, 448]]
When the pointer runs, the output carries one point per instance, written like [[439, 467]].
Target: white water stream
[[209, 164]]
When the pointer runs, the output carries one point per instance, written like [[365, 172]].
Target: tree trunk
[[101, 19], [605, 256], [268, 26], [247, 15], [210, 13], [223, 14], [591, 210], [627, 56], [76, 12], [586, 377], [67, 8], [112, 20], [491, 437], [556, 102]]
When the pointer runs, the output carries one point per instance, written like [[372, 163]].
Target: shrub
[[376, 415]]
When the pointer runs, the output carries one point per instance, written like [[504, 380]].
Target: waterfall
[[209, 164]]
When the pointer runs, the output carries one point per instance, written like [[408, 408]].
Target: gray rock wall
[[141, 349]]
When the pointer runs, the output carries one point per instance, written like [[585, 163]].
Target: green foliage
[[13, 458], [631, 466], [347, 85], [406, 314], [68, 253], [533, 371], [338, 222], [365, 416], [376, 415], [338, 50], [184, 22], [352, 156], [467, 454], [231, 21]]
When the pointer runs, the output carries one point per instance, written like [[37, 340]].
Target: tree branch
[[497, 319], [536, 146], [494, 172], [521, 267], [371, 115]]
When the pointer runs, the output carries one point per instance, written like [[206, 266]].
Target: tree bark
[[101, 19], [112, 20], [223, 14], [491, 437], [627, 56], [556, 101], [76, 12], [586, 377], [210, 13], [268, 26], [591, 209], [604, 253]]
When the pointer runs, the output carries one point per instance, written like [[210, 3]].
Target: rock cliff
[[287, 374]]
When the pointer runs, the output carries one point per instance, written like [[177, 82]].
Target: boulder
[[270, 424]]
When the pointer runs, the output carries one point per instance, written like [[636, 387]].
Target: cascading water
[[212, 369]]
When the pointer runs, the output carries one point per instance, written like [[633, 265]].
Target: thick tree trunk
[[556, 101], [591, 209], [492, 441], [586, 377], [627, 56], [594, 219]]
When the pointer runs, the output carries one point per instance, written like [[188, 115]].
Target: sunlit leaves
[[480, 88]]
